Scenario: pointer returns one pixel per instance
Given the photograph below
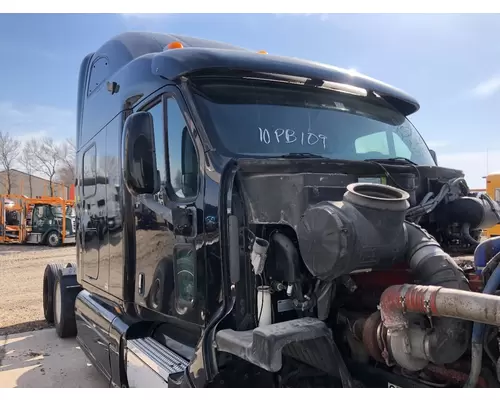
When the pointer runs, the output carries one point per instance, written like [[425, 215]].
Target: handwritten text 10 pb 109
[[289, 136]]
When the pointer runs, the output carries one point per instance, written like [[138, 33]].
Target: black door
[[170, 266]]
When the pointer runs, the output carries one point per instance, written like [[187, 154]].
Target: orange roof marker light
[[175, 45], [262, 52]]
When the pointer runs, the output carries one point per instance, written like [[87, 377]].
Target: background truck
[[493, 190], [43, 220], [293, 207]]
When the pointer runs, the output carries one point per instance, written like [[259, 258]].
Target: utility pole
[[487, 161]]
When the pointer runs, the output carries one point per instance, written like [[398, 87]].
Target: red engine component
[[381, 279], [475, 282], [399, 276], [372, 333]]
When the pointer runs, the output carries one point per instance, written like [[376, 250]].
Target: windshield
[[247, 117], [57, 211]]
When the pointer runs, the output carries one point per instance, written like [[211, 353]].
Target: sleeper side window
[[89, 167], [98, 74]]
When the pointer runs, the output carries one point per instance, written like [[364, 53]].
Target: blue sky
[[450, 63]]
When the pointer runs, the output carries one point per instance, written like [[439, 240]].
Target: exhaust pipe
[[410, 347]]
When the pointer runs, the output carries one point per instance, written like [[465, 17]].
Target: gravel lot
[[21, 281]]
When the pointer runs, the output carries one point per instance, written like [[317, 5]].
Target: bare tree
[[9, 150], [27, 160], [47, 158], [66, 173]]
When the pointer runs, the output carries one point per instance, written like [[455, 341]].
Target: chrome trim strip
[[158, 358]]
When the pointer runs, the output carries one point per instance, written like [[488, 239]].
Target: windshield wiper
[[301, 155], [393, 159]]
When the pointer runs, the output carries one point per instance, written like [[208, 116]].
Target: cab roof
[[198, 55]]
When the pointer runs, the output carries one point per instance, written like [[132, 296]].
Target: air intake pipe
[[368, 229], [449, 338], [364, 230]]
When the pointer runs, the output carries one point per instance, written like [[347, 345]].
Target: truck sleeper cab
[[191, 145]]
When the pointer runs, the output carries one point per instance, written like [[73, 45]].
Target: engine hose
[[489, 200], [478, 332], [431, 265], [467, 236], [449, 339], [400, 300], [494, 261], [428, 204]]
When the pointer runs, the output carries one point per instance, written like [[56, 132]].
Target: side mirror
[[139, 156], [434, 156]]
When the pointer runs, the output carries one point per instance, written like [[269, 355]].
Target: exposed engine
[[455, 215], [401, 311], [441, 202]]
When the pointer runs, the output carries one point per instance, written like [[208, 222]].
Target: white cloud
[[31, 135], [487, 88], [28, 120], [321, 17], [143, 16]]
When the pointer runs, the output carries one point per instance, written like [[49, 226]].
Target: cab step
[[149, 364], [305, 339]]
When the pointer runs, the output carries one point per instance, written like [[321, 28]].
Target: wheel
[[49, 276], [65, 292], [54, 239]]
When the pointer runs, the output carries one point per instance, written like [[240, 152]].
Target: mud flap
[[306, 339]]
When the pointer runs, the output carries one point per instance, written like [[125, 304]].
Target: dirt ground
[[40, 359], [21, 282]]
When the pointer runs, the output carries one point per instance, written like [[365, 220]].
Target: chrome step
[[149, 364]]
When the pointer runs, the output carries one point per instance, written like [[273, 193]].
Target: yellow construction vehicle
[[42, 220], [493, 190]]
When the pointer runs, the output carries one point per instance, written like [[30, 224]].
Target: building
[[39, 187]]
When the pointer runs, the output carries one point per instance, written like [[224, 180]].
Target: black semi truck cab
[[200, 258]]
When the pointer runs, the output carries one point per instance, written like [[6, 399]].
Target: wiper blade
[[393, 159], [301, 155]]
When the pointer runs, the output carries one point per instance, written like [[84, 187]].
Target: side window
[[157, 112], [183, 160], [400, 147], [38, 214], [375, 142], [98, 73], [89, 178], [497, 195]]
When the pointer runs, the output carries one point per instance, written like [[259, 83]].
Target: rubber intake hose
[[431, 265]]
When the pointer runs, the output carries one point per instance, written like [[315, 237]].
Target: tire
[[49, 277], [65, 292], [53, 239]]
